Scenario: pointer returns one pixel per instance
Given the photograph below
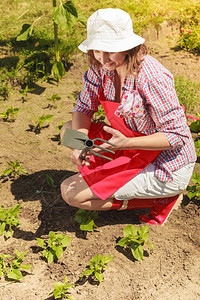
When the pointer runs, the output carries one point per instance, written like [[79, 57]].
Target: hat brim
[[114, 46]]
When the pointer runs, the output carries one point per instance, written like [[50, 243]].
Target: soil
[[170, 272]]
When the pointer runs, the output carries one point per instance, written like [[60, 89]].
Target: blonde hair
[[132, 61]]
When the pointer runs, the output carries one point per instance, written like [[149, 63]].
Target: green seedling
[[9, 220], [39, 123], [50, 182], [53, 99], [11, 267], [96, 267], [10, 114], [194, 190], [86, 219], [58, 128], [135, 239], [197, 147], [61, 290], [24, 92], [53, 248], [14, 170]]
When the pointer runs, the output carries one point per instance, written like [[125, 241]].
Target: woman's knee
[[69, 191], [64, 127]]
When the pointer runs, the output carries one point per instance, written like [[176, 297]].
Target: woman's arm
[[81, 122]]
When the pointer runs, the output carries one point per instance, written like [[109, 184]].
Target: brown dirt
[[172, 271]]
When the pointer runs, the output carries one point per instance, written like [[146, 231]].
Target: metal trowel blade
[[74, 139]]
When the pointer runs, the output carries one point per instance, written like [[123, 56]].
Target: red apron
[[105, 177]]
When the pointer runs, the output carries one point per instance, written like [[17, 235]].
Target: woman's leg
[[76, 192]]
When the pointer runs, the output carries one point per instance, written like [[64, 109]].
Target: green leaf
[[87, 273], [25, 33], [195, 126], [64, 15], [2, 228], [123, 241], [8, 234], [130, 230], [41, 243], [66, 241], [58, 70], [99, 276], [15, 274], [196, 178], [137, 252], [87, 225], [150, 245], [50, 257], [59, 252]]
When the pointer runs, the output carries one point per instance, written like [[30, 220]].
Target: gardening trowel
[[79, 140]]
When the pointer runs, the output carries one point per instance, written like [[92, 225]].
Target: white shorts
[[145, 185]]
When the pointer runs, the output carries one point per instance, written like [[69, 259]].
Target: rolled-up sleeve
[[88, 99], [165, 110]]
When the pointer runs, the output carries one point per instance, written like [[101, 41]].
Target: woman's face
[[110, 60]]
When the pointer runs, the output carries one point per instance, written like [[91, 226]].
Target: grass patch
[[188, 93]]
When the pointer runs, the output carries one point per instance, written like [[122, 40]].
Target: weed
[[86, 219], [10, 114], [61, 290], [96, 266], [50, 182], [24, 92], [53, 248], [39, 123], [11, 267], [194, 190], [9, 220], [135, 239], [14, 170], [53, 99]]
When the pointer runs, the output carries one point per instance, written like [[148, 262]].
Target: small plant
[[11, 267], [58, 128], [8, 220], [194, 190], [50, 182], [99, 116], [10, 114], [39, 123], [135, 239], [86, 219], [96, 266], [15, 169], [53, 248], [61, 290], [24, 92], [53, 99]]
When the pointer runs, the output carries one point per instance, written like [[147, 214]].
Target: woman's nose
[[104, 57]]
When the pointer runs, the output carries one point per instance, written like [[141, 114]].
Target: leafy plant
[[11, 267], [86, 219], [53, 248], [53, 99], [50, 182], [96, 266], [58, 128], [15, 169], [61, 290], [194, 190], [135, 239], [8, 220], [64, 15], [39, 123], [24, 92], [10, 114]]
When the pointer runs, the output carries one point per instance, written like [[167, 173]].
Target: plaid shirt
[[161, 111]]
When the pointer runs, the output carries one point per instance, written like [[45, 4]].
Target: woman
[[154, 151]]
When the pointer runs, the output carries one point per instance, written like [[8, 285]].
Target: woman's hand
[[76, 160], [118, 139]]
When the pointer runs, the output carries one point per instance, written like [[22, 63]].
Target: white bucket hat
[[110, 30]]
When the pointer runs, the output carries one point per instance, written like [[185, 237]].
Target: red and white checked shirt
[[161, 110]]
